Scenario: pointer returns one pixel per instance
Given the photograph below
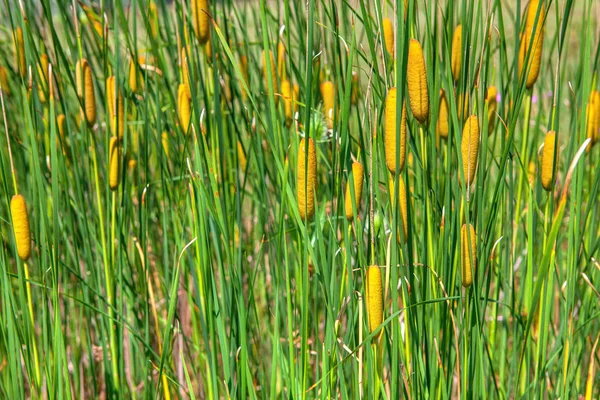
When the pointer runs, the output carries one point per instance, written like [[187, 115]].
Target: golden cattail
[[20, 219], [328, 96], [20, 53], [417, 82], [456, 60], [535, 55], [306, 178], [388, 35], [133, 75], [593, 117], [491, 101], [242, 156], [357, 178], [549, 161], [273, 74], [43, 74], [281, 61], [208, 49], [200, 20], [153, 18], [374, 297], [185, 66], [116, 111], [468, 258], [85, 90], [288, 107], [390, 142], [4, 80], [442, 122], [184, 106], [114, 160], [165, 143], [402, 202], [60, 122], [470, 148], [244, 71]]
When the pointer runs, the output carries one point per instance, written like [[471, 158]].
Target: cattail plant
[[490, 99], [60, 123], [85, 91], [390, 140], [402, 202], [463, 106], [244, 71], [165, 143], [593, 117], [4, 80], [535, 54], [20, 219], [242, 156], [273, 73], [288, 106], [113, 163], [549, 161], [185, 66], [281, 61], [456, 58], [374, 297], [357, 180], [468, 254], [116, 111], [184, 107], [328, 96], [388, 35], [200, 20], [153, 19], [470, 148], [417, 82], [442, 122], [20, 52], [43, 75], [135, 81], [306, 178]]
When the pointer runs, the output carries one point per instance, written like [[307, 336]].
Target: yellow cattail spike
[[593, 117], [60, 122], [417, 82], [20, 53], [43, 74], [242, 156], [288, 106], [357, 178], [402, 202], [114, 161], [165, 143], [537, 45], [153, 17], [470, 148], [85, 91], [184, 106], [468, 258], [492, 103], [244, 71], [306, 178], [133, 75], [388, 35], [442, 122], [200, 20], [549, 161], [390, 142], [273, 73], [456, 60], [4, 80], [281, 72], [328, 96], [20, 219], [116, 111], [374, 297]]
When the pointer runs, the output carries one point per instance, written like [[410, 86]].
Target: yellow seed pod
[[417, 82], [20, 219], [357, 177], [165, 143], [184, 106], [468, 258], [388, 35], [20, 53], [200, 20], [492, 103], [242, 156], [114, 161], [390, 142], [116, 111], [43, 75], [374, 297], [328, 96], [593, 117], [549, 161], [470, 148], [456, 60], [153, 17], [402, 202], [281, 61], [4, 80], [306, 178], [442, 122], [537, 45], [273, 73], [85, 91], [288, 107]]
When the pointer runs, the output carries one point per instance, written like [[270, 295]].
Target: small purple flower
[[534, 99], [498, 98]]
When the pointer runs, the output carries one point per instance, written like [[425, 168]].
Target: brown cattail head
[[456, 60], [490, 99], [273, 73], [116, 110], [388, 35], [4, 80], [532, 42], [281, 61], [20, 219], [468, 258], [20, 52], [549, 161], [184, 106], [402, 202], [442, 122], [85, 91], [200, 20], [390, 142], [288, 106], [374, 297], [593, 118], [113, 163], [470, 148], [328, 96], [306, 178], [357, 180], [417, 82]]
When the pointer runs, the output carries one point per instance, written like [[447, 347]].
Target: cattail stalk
[[417, 82], [273, 73], [402, 202], [306, 178], [357, 181], [390, 139]]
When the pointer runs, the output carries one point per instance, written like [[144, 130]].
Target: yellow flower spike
[[417, 82]]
